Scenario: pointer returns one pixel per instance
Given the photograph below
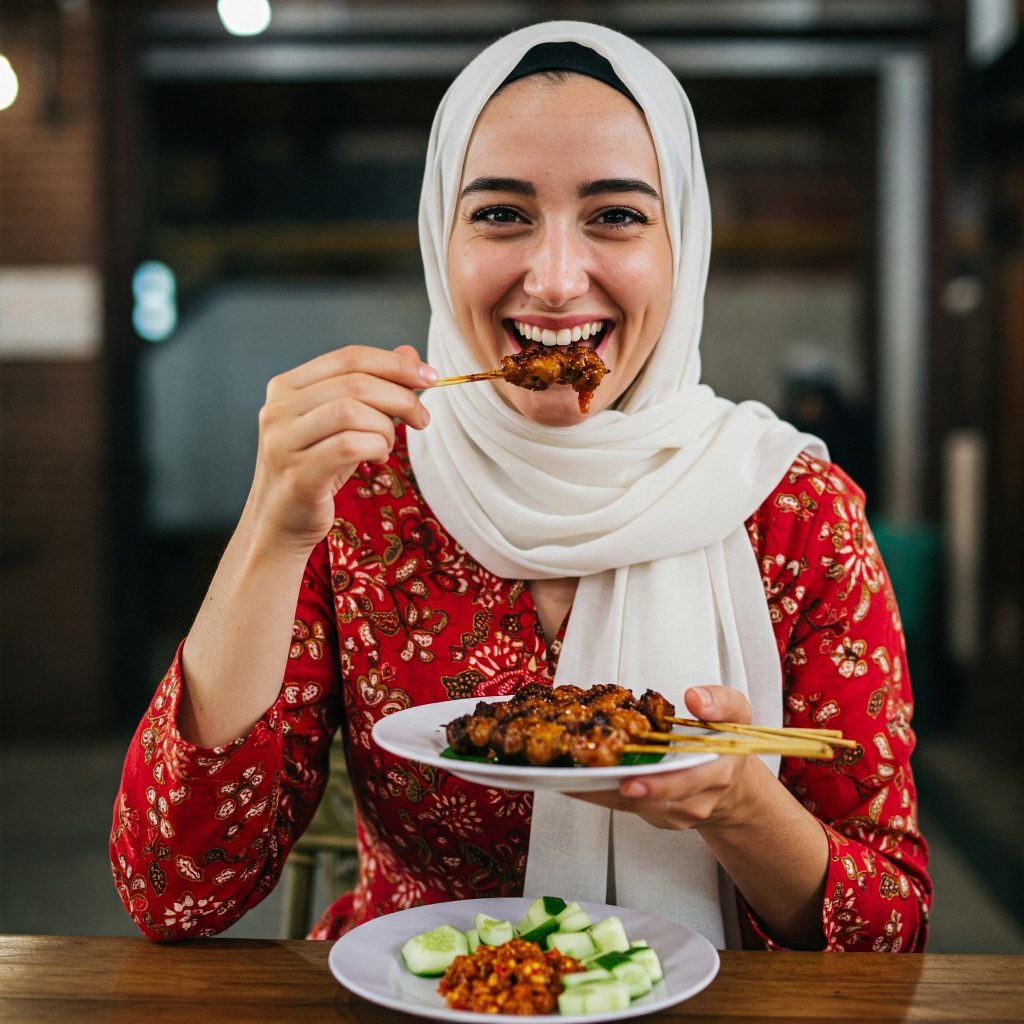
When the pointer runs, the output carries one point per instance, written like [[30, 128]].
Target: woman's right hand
[[320, 420]]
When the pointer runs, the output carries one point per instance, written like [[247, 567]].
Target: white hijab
[[645, 503]]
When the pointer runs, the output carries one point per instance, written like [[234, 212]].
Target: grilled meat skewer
[[542, 725]]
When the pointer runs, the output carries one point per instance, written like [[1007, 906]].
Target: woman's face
[[559, 225]]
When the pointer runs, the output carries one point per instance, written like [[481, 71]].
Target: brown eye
[[497, 215], [620, 217]]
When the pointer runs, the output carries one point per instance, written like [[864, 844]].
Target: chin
[[552, 408]]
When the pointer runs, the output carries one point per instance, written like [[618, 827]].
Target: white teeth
[[565, 336]]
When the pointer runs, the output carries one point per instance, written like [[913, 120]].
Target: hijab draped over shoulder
[[645, 502]]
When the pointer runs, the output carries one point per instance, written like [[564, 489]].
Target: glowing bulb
[[244, 17], [8, 83], [156, 309]]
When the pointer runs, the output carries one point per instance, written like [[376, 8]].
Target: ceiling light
[[244, 17], [8, 83]]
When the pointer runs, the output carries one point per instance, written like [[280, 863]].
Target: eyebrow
[[514, 185], [586, 189], [603, 185]]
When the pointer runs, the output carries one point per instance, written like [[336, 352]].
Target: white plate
[[368, 960], [417, 734]]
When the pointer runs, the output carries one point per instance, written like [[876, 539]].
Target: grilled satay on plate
[[561, 725]]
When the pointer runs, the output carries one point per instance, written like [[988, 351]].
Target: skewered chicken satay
[[609, 693], [531, 738], [543, 725], [601, 746], [536, 369], [550, 744], [658, 709]]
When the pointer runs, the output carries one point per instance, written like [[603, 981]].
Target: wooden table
[[62, 979]]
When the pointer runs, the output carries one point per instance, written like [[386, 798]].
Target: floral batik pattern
[[393, 613]]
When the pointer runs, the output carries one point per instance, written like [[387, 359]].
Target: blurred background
[[195, 196]]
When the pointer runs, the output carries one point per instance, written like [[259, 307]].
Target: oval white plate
[[368, 960], [418, 735]]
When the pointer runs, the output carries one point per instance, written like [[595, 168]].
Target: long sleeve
[[200, 835], [844, 664]]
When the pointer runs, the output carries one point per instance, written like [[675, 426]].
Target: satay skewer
[[799, 746], [738, 745], [536, 369], [468, 378], [830, 736]]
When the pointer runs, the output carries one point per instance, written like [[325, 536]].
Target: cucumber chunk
[[597, 997], [607, 961], [634, 976], [431, 953], [648, 959], [609, 936], [573, 919], [541, 918], [585, 977], [472, 939], [493, 932], [575, 944], [542, 909]]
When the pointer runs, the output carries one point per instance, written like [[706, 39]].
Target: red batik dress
[[393, 612]]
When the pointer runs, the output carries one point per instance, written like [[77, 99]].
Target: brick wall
[[53, 589]]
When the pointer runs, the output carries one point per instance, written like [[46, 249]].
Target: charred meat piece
[[458, 734], [536, 369], [657, 709], [600, 746]]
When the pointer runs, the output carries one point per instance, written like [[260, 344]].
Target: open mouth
[[591, 334]]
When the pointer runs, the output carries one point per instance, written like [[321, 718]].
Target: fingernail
[[428, 374], [634, 789], [426, 415], [703, 693]]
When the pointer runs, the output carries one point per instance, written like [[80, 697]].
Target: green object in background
[[911, 553]]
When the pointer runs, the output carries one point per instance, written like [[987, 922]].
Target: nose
[[557, 271]]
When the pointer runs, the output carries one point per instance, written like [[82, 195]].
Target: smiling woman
[[570, 234], [404, 545]]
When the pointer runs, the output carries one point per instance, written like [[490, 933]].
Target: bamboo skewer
[[831, 736], [738, 745], [468, 378], [797, 746]]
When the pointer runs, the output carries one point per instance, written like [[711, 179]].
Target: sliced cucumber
[[597, 997], [431, 953], [472, 939], [609, 936], [648, 959], [541, 918], [573, 919], [606, 961], [576, 944], [585, 977], [634, 976], [493, 932]]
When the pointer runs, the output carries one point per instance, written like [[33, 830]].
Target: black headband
[[568, 57]]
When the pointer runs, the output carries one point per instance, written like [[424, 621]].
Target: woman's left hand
[[702, 797]]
